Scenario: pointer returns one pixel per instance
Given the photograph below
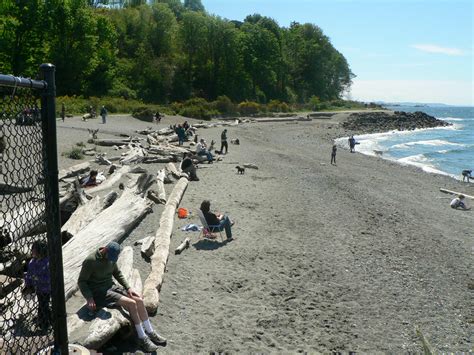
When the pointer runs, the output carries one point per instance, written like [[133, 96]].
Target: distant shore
[[326, 258]]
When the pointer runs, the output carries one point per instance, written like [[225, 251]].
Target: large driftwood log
[[167, 149], [74, 170], [23, 220], [101, 159], [173, 170], [162, 246], [94, 333], [83, 215], [160, 178], [111, 224], [154, 160], [114, 178], [455, 193], [134, 155], [117, 142]]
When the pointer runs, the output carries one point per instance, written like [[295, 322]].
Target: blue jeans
[[206, 153], [224, 224]]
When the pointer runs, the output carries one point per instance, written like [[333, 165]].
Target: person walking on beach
[[103, 113], [96, 285], [38, 281], [63, 112], [333, 154], [458, 202], [220, 220], [224, 142], [352, 143]]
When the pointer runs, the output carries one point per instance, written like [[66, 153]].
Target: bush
[[224, 105], [195, 108], [80, 144], [144, 113], [249, 108], [278, 106], [74, 153]]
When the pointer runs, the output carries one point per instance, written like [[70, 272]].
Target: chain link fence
[[31, 312]]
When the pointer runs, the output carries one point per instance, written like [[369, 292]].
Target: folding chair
[[206, 228]]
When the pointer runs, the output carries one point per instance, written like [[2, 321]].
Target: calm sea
[[442, 150]]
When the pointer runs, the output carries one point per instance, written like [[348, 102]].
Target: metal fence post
[[50, 158]]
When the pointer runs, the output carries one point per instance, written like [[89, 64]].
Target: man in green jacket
[[97, 287]]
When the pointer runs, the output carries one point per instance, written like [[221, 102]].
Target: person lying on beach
[[466, 174], [90, 180], [458, 202], [220, 220]]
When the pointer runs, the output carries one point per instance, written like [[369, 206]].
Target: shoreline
[[325, 258]]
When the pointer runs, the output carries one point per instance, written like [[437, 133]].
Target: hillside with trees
[[168, 51]]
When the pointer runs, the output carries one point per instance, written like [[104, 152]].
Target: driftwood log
[[162, 245], [173, 170], [134, 155], [83, 215], [117, 142], [183, 245], [74, 170], [111, 224], [94, 333], [160, 179], [115, 177], [455, 193], [23, 220]]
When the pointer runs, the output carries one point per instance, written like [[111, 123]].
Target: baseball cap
[[113, 251]]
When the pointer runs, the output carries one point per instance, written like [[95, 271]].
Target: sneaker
[[147, 345], [156, 338]]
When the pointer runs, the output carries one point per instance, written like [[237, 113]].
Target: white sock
[[140, 331], [147, 325]]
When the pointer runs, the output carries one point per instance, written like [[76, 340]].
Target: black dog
[[235, 141], [240, 170]]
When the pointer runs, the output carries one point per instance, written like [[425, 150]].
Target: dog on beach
[[240, 170], [235, 141]]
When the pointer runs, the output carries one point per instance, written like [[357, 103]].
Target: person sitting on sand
[[333, 154], [96, 285], [90, 180], [201, 149], [458, 202], [187, 166], [220, 220], [466, 174]]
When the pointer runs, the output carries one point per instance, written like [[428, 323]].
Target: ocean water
[[447, 150]]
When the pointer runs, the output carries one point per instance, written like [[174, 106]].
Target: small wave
[[421, 161], [433, 143], [451, 119]]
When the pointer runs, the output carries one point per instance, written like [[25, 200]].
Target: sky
[[400, 51]]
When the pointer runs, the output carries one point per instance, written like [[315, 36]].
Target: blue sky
[[405, 50]]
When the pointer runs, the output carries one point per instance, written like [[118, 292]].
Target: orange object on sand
[[182, 212]]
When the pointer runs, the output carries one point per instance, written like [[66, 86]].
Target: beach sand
[[326, 258]]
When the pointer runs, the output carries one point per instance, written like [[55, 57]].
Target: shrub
[[74, 153], [80, 144], [224, 105], [278, 106], [249, 108]]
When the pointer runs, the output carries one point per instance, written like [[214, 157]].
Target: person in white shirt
[[458, 202], [201, 149]]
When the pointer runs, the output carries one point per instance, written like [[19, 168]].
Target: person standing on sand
[[97, 287], [224, 142], [63, 112], [333, 154], [352, 143], [103, 113]]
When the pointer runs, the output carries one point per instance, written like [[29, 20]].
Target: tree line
[[168, 51]]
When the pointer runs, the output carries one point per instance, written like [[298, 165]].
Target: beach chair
[[206, 229]]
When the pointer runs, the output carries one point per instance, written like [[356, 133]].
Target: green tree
[[194, 5]]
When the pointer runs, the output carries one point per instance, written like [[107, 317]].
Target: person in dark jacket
[[333, 154], [181, 132], [38, 281], [220, 220], [224, 142], [187, 166], [103, 113], [97, 287]]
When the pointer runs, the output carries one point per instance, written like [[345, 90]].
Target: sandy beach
[[326, 258]]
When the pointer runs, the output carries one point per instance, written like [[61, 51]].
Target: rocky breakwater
[[375, 122]]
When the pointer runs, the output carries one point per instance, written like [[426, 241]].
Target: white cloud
[[429, 91], [432, 48]]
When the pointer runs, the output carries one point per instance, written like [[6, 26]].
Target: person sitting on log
[[96, 285], [38, 281], [187, 166], [220, 220], [201, 149], [458, 202], [90, 180]]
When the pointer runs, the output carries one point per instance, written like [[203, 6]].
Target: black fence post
[[50, 158]]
